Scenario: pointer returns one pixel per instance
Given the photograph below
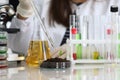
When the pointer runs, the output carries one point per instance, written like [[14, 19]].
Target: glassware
[[37, 52], [3, 48]]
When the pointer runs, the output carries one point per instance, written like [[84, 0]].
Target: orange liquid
[[36, 54]]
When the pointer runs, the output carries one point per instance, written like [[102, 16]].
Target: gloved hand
[[60, 52], [25, 8]]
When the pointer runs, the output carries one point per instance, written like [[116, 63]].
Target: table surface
[[75, 72]]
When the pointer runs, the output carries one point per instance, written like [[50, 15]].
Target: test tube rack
[[97, 46]]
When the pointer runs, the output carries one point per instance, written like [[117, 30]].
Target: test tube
[[78, 37], [97, 36], [73, 32], [108, 32], [85, 33], [118, 37], [114, 25], [72, 24]]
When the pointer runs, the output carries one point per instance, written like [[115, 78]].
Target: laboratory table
[[75, 72]]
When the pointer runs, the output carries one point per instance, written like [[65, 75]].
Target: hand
[[60, 52], [25, 8]]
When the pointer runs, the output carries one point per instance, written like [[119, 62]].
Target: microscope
[[7, 12]]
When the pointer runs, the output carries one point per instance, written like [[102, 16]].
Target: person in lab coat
[[55, 15]]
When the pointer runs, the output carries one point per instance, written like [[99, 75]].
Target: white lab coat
[[19, 42]]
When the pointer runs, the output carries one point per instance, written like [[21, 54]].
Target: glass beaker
[[37, 52]]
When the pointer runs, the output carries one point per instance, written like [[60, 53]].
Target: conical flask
[[38, 50]]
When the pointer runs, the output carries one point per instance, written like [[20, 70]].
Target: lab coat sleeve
[[19, 42]]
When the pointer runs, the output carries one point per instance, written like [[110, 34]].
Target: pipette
[[42, 25]]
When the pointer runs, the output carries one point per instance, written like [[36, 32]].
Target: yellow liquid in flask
[[36, 53]]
